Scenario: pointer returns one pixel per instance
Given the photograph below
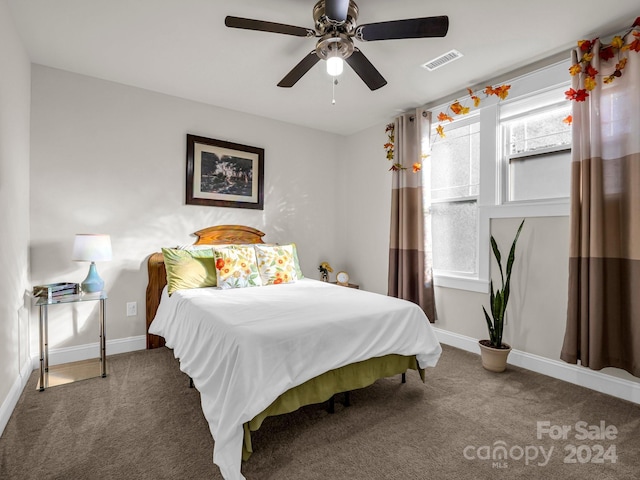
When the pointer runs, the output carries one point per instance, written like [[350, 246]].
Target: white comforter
[[244, 347]]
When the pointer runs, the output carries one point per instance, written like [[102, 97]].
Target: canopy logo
[[500, 453]]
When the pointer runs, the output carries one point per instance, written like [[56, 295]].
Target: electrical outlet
[[132, 309]]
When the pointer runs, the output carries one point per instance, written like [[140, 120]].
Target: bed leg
[[404, 377], [332, 405], [190, 382]]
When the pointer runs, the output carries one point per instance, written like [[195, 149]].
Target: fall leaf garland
[[456, 108], [390, 130], [614, 49]]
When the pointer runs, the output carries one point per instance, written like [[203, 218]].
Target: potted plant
[[493, 351]]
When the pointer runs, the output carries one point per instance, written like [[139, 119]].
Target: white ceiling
[[182, 48]]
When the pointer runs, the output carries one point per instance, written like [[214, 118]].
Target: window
[[455, 183], [536, 148], [505, 159]]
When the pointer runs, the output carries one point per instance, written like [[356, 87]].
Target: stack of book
[[56, 290]]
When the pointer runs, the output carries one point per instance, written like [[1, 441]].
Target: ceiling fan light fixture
[[335, 66]]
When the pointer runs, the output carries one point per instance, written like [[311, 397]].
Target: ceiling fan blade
[[259, 25], [299, 70], [365, 70], [336, 10], [398, 29]]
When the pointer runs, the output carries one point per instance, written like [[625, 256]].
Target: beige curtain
[[410, 261], [603, 317]]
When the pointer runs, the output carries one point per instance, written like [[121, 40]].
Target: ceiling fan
[[335, 28]]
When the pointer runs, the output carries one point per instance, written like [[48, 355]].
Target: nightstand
[[351, 285], [69, 372]]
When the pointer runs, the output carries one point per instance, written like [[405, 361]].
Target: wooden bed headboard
[[218, 235]]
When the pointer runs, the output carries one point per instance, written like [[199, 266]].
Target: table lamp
[[92, 248]]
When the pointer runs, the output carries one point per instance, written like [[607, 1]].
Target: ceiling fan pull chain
[[333, 91]]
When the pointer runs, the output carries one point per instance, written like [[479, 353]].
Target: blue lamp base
[[93, 283]]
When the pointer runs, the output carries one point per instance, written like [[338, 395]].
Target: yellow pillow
[[189, 268], [276, 264], [236, 267]]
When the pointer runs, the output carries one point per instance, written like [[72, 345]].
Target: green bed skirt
[[321, 388]]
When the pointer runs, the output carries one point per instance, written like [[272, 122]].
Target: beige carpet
[[143, 422]]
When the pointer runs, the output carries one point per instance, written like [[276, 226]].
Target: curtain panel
[[603, 315], [410, 259]]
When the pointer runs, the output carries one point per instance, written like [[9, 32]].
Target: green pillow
[[189, 268]]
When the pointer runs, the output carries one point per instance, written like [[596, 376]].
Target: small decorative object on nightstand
[[342, 278], [324, 269]]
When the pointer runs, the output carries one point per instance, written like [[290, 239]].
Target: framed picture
[[224, 174]]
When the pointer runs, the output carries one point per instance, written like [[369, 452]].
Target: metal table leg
[[41, 343], [103, 341]]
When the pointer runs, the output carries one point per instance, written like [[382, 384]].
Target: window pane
[[538, 131], [537, 153], [455, 162], [455, 233], [540, 176]]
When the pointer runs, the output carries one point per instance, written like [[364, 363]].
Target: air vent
[[438, 62]]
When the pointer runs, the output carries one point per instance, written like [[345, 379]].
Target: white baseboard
[[12, 398], [601, 382], [92, 350]]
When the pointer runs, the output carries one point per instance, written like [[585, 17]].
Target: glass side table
[[69, 372]]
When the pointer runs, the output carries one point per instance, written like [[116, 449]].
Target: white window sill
[[554, 208], [461, 283]]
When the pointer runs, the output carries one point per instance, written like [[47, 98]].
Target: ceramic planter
[[494, 359]]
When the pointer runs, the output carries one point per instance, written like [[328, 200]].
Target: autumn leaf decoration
[[457, 108], [616, 49], [391, 138], [390, 130]]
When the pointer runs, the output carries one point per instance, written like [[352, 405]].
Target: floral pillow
[[276, 264], [296, 262], [236, 267]]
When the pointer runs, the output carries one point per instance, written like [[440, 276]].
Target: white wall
[[14, 213], [366, 193], [108, 158]]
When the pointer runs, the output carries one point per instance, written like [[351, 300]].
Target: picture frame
[[224, 174]]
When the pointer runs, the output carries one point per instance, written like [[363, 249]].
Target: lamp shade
[[91, 248]]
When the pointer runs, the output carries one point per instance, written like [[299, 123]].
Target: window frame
[[492, 179], [506, 157]]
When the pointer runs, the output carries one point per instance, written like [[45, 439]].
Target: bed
[[268, 350]]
